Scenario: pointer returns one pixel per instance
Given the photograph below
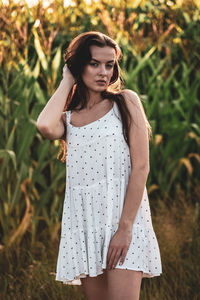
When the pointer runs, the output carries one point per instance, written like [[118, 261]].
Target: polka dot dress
[[98, 167]]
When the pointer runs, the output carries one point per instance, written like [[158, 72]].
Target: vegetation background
[[161, 51]]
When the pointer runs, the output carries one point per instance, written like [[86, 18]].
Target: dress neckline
[[93, 121]]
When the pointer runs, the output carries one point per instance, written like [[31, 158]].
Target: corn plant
[[172, 106], [31, 179]]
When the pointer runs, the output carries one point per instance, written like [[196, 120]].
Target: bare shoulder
[[131, 98], [135, 107]]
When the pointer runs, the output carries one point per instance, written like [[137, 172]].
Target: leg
[[95, 288], [123, 284]]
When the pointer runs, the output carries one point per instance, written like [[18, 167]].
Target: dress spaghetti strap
[[68, 116]]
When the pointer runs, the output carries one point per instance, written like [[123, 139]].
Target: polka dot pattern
[[98, 167]]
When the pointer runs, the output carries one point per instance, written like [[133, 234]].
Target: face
[[100, 67]]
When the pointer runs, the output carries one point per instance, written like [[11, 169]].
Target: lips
[[103, 81]]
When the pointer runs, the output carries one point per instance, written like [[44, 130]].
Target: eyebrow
[[99, 61]]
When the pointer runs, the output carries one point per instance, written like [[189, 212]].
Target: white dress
[[98, 166]]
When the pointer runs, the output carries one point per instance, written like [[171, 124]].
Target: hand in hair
[[68, 75]]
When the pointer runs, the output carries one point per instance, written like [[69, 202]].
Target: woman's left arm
[[139, 154]]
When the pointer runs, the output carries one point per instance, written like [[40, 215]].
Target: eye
[[94, 64], [109, 66]]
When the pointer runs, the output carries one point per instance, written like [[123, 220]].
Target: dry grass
[[27, 272], [177, 230]]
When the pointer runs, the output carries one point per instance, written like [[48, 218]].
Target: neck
[[93, 100]]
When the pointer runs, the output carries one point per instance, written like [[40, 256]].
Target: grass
[[27, 271]]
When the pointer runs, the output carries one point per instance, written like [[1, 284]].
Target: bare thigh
[[123, 284], [95, 288]]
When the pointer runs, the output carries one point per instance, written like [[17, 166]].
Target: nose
[[102, 70]]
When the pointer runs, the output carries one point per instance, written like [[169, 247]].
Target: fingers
[[114, 256], [111, 258], [68, 75], [124, 252], [119, 246], [115, 259], [109, 255]]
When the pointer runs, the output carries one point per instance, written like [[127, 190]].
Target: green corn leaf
[[56, 61], [36, 71], [6, 154], [39, 93], [21, 175], [41, 55], [26, 137]]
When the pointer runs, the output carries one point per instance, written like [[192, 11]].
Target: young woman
[[107, 243]]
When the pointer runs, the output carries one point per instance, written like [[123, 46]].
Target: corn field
[[160, 44]]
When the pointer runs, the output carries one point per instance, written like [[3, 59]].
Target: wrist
[[66, 82], [125, 225]]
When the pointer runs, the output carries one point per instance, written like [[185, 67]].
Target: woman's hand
[[67, 75], [119, 245]]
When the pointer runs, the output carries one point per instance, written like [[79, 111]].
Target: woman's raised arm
[[50, 120]]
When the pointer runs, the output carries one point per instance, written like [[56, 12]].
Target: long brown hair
[[76, 56]]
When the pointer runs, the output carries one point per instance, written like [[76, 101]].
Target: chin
[[100, 89]]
